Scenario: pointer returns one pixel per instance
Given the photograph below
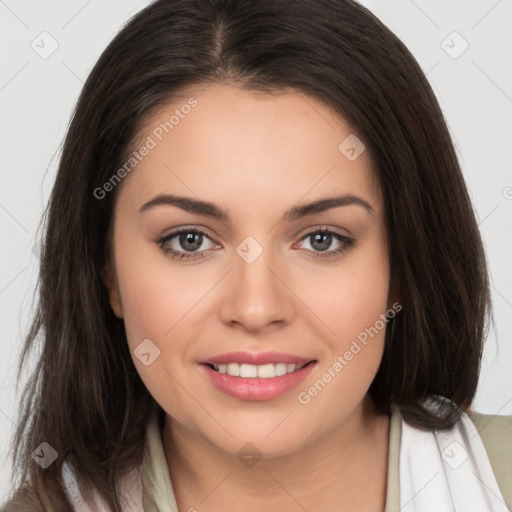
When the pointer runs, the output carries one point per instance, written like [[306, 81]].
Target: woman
[[262, 282]]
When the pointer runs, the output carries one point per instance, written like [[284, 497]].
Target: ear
[[114, 296]]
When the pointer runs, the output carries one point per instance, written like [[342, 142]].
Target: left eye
[[322, 239]]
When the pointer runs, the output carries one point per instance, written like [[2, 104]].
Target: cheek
[[156, 293], [351, 303], [351, 297], [163, 302], [158, 306]]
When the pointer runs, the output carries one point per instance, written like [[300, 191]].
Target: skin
[[257, 155]]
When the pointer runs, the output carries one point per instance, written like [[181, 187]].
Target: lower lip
[[254, 388]]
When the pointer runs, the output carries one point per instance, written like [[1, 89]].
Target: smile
[[256, 382]]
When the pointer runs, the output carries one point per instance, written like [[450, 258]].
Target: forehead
[[256, 150]]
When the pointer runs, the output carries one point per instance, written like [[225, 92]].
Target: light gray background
[[37, 96]]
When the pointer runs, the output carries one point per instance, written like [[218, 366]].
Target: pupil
[[327, 237], [193, 239]]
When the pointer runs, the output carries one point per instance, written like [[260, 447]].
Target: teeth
[[263, 371], [282, 367], [248, 370], [267, 371], [233, 369]]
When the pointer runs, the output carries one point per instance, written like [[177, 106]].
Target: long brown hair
[[85, 397]]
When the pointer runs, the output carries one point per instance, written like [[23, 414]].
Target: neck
[[331, 473]]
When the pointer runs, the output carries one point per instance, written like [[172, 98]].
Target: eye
[[189, 243], [188, 239], [321, 239]]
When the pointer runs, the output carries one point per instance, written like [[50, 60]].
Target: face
[[269, 287]]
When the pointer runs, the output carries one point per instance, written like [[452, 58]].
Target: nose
[[256, 296]]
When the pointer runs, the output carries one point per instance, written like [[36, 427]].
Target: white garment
[[447, 471], [131, 490]]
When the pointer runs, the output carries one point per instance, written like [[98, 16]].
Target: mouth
[[265, 381]]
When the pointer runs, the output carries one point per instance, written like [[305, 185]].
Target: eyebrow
[[209, 209]]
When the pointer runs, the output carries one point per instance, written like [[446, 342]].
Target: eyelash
[[348, 243]]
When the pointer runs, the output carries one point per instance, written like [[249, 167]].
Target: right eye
[[190, 240]]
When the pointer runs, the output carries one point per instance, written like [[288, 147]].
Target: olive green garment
[[495, 431]]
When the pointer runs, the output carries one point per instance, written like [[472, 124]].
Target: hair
[[85, 397]]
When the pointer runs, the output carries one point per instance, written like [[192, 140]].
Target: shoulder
[[496, 434], [24, 500], [495, 431]]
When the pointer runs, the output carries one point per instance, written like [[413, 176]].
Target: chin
[[271, 442]]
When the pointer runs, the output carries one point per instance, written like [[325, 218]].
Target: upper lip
[[257, 359]]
